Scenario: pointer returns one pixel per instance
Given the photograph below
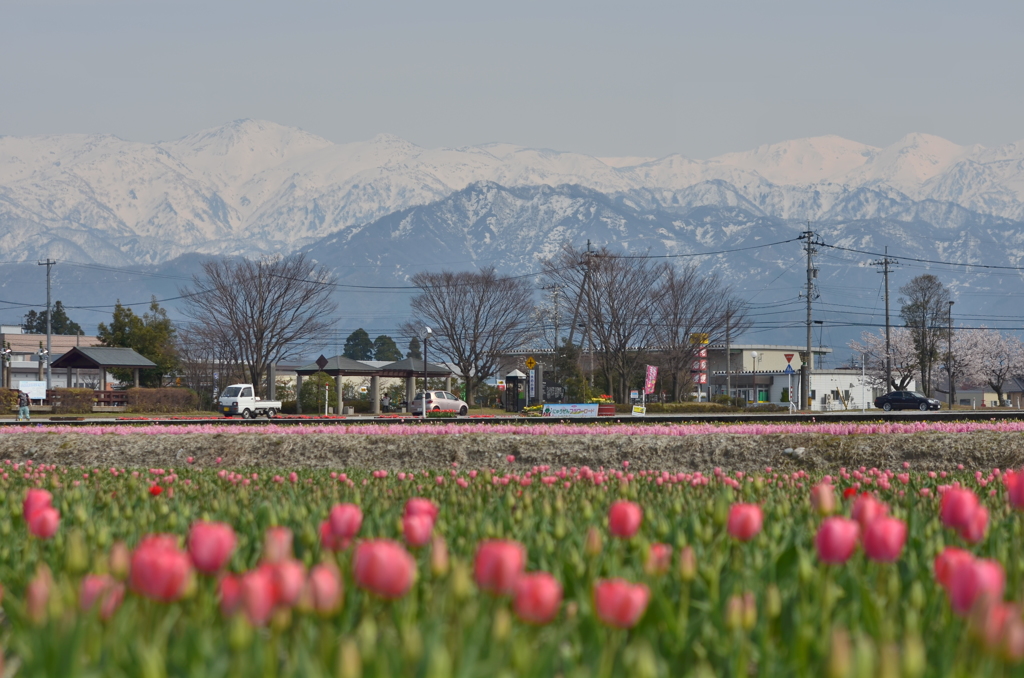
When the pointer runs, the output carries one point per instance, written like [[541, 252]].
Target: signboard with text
[[36, 390], [569, 410], [639, 411]]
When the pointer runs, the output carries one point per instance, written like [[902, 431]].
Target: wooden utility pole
[[886, 263], [810, 239]]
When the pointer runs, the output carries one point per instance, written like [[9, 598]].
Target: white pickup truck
[[241, 399]]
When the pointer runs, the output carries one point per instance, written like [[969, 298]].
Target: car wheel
[[464, 411], [924, 407], [246, 414], [887, 407], [437, 409], [271, 413]]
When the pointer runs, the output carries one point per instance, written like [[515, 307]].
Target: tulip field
[[509, 571]]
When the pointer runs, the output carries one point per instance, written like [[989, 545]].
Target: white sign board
[[36, 390], [639, 411], [570, 410]]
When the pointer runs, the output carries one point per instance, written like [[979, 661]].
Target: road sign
[[789, 357], [789, 370], [321, 362], [700, 338], [530, 363]]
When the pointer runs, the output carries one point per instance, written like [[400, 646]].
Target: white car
[[438, 401]]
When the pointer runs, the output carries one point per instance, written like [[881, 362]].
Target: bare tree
[[904, 357], [266, 308], [925, 309], [208, 361], [1000, 357], [476, 317], [691, 303]]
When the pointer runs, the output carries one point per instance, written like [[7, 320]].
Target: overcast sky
[[624, 78]]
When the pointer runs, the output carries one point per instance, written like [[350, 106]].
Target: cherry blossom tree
[[1000, 358], [904, 357]]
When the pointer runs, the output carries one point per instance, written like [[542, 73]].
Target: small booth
[[514, 383]]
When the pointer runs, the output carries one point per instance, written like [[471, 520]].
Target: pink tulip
[[159, 570], [624, 519], [383, 567], [288, 576], [884, 539], [326, 590], [103, 588], [1015, 489], [258, 598], [973, 581], [418, 506], [346, 521], [417, 529], [230, 590], [823, 499], [120, 560], [836, 540], [619, 603], [277, 545], [43, 522], [35, 499], [947, 562], [211, 545], [537, 597], [37, 595], [659, 559], [498, 564], [974, 530], [744, 521], [958, 506], [866, 509]]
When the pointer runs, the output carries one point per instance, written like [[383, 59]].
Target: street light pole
[[949, 354], [426, 336]]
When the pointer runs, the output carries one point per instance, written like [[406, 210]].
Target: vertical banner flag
[[652, 377]]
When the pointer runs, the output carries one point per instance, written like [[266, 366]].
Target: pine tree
[[415, 351], [358, 346], [384, 348], [151, 335], [60, 323]]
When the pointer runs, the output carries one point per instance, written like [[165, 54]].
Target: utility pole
[[49, 263], [811, 239], [886, 263], [949, 355], [728, 356], [579, 297]]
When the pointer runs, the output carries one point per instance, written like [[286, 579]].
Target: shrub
[[312, 393], [8, 399], [688, 408], [73, 400], [162, 400], [289, 407]]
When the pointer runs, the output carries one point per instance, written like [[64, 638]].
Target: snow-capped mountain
[[252, 187]]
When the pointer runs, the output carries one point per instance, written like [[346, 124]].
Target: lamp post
[[426, 335], [949, 354]]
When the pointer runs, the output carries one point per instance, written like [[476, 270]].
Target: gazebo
[[103, 358], [409, 369], [339, 366]]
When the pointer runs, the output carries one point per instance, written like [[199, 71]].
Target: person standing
[[386, 401], [23, 403]]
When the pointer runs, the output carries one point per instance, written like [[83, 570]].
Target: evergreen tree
[[358, 346], [60, 323], [415, 350], [384, 348], [151, 335]]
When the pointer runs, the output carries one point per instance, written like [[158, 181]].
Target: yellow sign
[[530, 363], [700, 338]]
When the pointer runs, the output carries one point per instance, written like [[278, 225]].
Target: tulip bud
[[462, 582], [350, 663], [76, 554], [687, 564], [438, 556], [120, 560], [915, 660], [281, 619], [864, 658], [502, 625], [840, 654], [773, 602], [239, 633], [749, 611], [593, 544], [37, 595], [889, 661], [367, 635], [440, 663], [734, 613], [823, 499]]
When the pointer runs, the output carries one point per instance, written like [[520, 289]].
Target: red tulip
[[417, 529], [325, 587], [277, 545], [43, 522], [619, 603], [975, 580], [992, 623], [624, 519], [974, 530], [744, 521], [659, 559], [383, 567], [418, 506], [230, 589], [836, 540], [258, 597], [211, 545], [823, 499], [947, 562], [1015, 489], [289, 576], [537, 597], [958, 506], [35, 499], [884, 539], [498, 564], [156, 490], [866, 509], [159, 570], [346, 521]]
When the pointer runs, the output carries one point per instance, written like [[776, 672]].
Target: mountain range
[[379, 210]]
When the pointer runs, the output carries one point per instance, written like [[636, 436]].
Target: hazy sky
[[624, 78]]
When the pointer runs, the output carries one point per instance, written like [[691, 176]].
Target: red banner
[[652, 377]]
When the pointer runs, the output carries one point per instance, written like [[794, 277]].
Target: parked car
[[906, 400], [240, 399], [438, 401]]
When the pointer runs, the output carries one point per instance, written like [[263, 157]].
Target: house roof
[[94, 357], [339, 364]]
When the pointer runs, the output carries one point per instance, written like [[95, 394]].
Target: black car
[[906, 400]]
